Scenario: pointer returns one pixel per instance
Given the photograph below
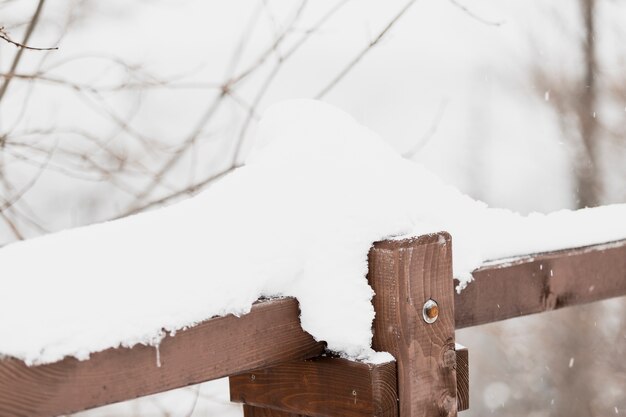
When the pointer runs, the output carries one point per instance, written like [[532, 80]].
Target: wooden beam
[[405, 275], [542, 282], [269, 334], [321, 387]]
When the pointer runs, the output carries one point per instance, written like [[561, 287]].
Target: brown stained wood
[[321, 387], [251, 411], [271, 391], [543, 282], [404, 275], [269, 334], [462, 377]]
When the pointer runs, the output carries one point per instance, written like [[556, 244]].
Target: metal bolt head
[[430, 311]]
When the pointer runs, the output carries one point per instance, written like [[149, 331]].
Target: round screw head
[[430, 311]]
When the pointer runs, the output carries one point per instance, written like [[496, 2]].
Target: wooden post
[[405, 275]]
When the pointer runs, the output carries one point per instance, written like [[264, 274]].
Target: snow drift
[[297, 220]]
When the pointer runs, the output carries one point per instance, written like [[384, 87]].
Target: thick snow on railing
[[297, 220]]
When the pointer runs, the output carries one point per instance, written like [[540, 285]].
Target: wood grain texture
[[252, 411], [269, 334], [404, 275], [462, 377], [542, 282], [321, 387], [272, 392]]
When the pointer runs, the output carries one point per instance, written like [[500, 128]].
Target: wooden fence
[[278, 370]]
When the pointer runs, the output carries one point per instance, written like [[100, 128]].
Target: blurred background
[[519, 103]]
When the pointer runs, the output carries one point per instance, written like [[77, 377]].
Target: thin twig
[[192, 189], [180, 151], [17, 196], [243, 41], [16, 232], [429, 133], [251, 111], [473, 15], [280, 61], [204, 119], [270, 50], [364, 52], [195, 402], [5, 36], [18, 55]]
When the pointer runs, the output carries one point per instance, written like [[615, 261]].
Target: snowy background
[[145, 103]]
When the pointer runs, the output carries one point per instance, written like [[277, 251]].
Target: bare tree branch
[[263, 56], [227, 87], [424, 139], [473, 15], [18, 55], [20, 193], [5, 37], [192, 189], [12, 226], [365, 51]]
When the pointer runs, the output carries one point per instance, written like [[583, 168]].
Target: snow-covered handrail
[[216, 348], [542, 282], [403, 273]]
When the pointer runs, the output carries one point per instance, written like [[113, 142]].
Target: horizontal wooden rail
[[321, 387], [271, 334], [328, 387], [543, 282], [268, 335]]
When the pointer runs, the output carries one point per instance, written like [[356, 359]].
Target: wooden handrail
[[271, 334], [268, 335], [542, 282]]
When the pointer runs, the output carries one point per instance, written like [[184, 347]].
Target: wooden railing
[[276, 368]]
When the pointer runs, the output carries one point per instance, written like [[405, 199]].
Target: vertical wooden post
[[405, 275]]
